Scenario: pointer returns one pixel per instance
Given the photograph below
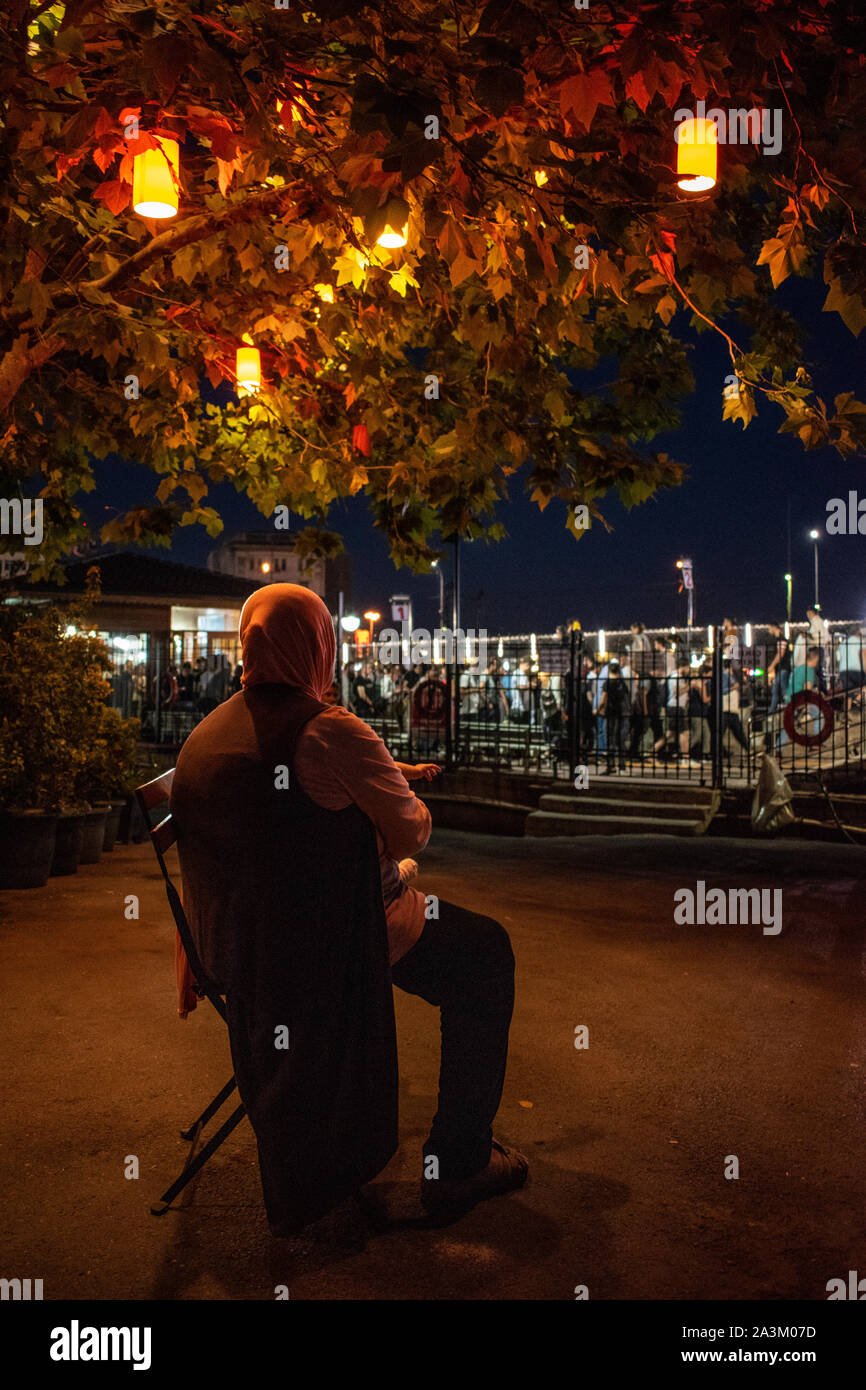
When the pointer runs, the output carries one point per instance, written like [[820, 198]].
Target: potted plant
[[108, 777], [52, 698]]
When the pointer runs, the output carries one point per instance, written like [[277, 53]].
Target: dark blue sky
[[730, 515]]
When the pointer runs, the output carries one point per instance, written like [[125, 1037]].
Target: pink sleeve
[[340, 759]]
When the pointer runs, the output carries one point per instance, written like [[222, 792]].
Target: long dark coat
[[284, 903]]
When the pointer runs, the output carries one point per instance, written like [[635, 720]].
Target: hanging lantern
[[697, 154], [292, 109], [392, 238], [155, 180], [248, 368]]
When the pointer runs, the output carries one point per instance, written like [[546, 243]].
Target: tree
[[530, 150]]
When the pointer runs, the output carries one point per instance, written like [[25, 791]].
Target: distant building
[[155, 616], [12, 563], [268, 557]]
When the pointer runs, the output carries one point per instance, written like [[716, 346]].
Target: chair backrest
[[150, 797]]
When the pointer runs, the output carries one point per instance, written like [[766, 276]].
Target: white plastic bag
[[771, 804]]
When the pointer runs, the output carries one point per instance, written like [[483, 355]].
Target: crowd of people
[[191, 688], [494, 693], [647, 701], [654, 700]]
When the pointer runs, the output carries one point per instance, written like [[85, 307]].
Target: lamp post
[[372, 618], [350, 624], [814, 536], [438, 568], [789, 579], [687, 582]]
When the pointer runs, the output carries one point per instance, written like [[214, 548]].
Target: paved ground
[[704, 1042]]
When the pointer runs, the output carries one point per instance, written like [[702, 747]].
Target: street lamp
[[687, 582], [438, 568], [349, 623], [789, 579], [814, 536]]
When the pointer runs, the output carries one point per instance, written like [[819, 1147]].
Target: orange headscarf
[[287, 637]]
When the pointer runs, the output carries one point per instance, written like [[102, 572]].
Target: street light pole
[[455, 624], [814, 535], [438, 568]]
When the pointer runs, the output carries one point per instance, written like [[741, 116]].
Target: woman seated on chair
[[291, 818]]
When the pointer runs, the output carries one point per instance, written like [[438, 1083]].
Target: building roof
[[130, 575], [258, 538]]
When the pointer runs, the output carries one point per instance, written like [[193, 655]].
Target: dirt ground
[[704, 1042]]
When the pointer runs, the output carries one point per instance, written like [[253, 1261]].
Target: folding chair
[[150, 796]]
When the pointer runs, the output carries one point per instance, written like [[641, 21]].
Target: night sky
[[730, 515]]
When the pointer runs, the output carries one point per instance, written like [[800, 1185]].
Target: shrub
[[60, 745]]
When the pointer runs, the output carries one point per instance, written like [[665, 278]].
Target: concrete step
[[645, 789], [551, 823], [588, 805]]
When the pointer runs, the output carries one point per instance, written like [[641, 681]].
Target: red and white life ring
[[824, 709]]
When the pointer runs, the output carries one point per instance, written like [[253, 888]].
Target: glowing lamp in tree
[[540, 178], [248, 368], [155, 180], [697, 154], [325, 293], [393, 237]]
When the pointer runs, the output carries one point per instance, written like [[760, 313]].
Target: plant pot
[[112, 823], [132, 829], [94, 834], [67, 852], [27, 841]]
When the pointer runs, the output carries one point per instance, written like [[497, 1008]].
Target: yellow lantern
[[248, 368], [155, 180], [325, 293], [392, 238], [697, 154], [540, 177]]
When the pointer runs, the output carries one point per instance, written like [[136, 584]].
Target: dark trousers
[[617, 731], [464, 965]]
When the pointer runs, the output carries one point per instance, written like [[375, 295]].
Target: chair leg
[[194, 1164], [193, 1132]]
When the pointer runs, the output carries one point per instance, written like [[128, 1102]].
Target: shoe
[[445, 1200]]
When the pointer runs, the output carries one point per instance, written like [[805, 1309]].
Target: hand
[[421, 771]]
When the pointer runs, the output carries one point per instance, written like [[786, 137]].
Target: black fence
[[698, 705]]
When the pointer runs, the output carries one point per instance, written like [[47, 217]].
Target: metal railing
[[698, 705]]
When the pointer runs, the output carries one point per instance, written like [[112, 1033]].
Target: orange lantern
[[393, 237], [155, 180], [248, 368], [697, 154]]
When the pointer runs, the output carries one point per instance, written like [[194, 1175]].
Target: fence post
[[575, 703], [716, 730]]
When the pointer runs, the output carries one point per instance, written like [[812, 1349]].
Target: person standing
[[779, 666], [613, 709], [852, 668]]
